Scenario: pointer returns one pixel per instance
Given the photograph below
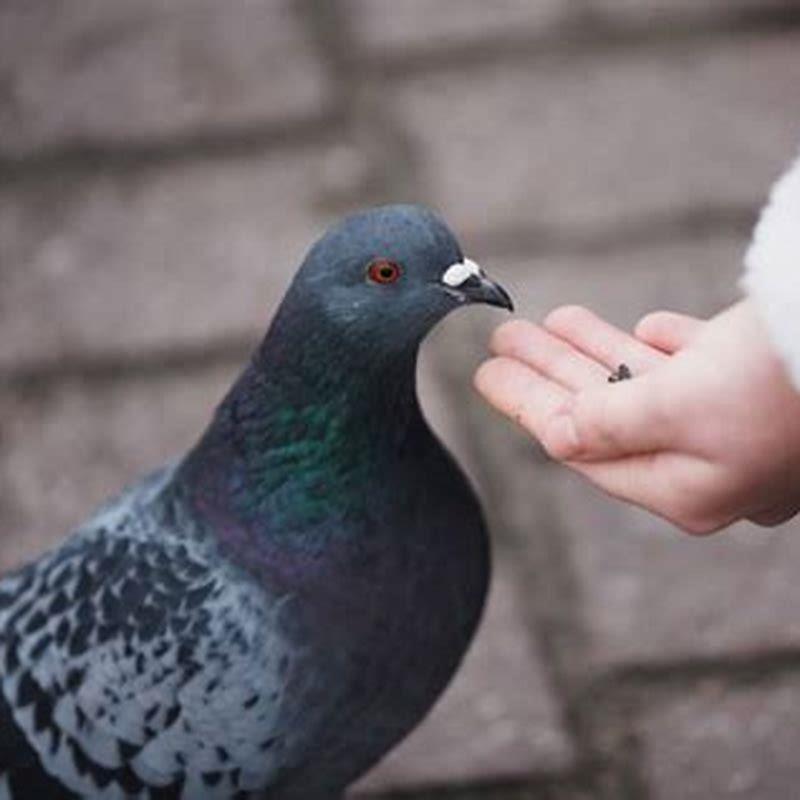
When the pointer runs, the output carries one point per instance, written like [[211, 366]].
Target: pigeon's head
[[386, 275]]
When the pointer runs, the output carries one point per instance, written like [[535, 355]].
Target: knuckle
[[555, 359], [508, 334], [651, 322], [567, 318]]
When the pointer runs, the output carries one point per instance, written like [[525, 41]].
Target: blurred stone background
[[165, 163]]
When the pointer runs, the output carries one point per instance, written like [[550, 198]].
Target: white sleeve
[[772, 269]]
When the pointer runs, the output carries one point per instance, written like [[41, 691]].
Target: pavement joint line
[[111, 367], [91, 156], [394, 167], [693, 224], [584, 38], [545, 785], [611, 706], [328, 27], [735, 669], [352, 67]]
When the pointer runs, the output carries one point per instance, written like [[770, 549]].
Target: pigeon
[[268, 615]]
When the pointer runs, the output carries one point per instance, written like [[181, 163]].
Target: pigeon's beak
[[469, 283]]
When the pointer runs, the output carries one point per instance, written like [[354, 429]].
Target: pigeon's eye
[[381, 270]]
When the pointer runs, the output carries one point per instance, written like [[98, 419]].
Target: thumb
[[602, 424], [667, 330]]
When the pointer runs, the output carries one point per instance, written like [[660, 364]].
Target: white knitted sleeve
[[772, 269]]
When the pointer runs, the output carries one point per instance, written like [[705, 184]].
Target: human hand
[[705, 433]]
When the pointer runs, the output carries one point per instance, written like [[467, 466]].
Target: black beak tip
[[506, 301], [496, 295]]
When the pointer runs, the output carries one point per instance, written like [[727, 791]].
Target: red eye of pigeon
[[383, 271]]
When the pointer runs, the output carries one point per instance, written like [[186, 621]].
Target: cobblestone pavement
[[163, 166]]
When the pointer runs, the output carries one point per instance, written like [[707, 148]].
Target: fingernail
[[562, 436]]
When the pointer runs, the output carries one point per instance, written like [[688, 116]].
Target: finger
[[549, 355], [612, 421], [668, 330], [520, 393], [600, 340]]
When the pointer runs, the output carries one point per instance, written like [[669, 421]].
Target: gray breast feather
[[131, 661]]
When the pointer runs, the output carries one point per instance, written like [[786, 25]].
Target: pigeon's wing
[[129, 662]]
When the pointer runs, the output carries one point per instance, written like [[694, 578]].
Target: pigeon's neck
[[302, 443]]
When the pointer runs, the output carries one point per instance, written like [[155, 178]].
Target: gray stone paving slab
[[498, 720], [94, 71], [716, 742], [591, 143], [65, 449], [143, 262], [653, 594], [383, 25]]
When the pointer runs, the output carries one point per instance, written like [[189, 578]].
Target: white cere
[[458, 273]]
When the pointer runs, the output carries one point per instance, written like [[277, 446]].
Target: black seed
[[250, 702], [151, 712], [222, 754]]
